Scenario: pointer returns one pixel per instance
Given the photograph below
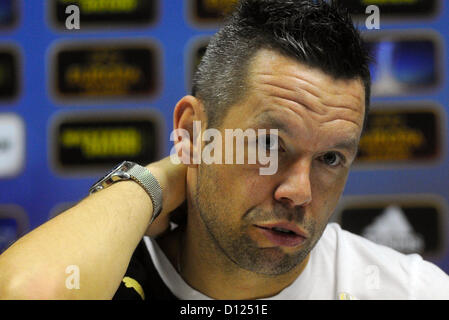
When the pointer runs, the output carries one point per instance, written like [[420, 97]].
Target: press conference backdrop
[[75, 102]]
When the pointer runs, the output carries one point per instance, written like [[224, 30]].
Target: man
[[295, 66]]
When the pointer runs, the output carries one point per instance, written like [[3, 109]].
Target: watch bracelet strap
[[144, 177]]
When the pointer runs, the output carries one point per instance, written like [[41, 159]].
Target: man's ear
[[188, 121]]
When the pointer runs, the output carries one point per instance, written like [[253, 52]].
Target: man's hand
[[172, 178]]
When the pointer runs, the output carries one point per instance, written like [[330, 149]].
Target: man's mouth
[[283, 234]]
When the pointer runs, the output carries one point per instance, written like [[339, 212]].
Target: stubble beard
[[234, 242]]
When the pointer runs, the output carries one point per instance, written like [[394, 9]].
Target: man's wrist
[[141, 176], [172, 179]]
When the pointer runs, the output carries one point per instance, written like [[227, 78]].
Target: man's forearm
[[96, 237]]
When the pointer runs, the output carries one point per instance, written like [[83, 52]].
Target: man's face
[[319, 121]]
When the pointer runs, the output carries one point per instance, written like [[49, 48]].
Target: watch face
[[117, 167], [122, 165]]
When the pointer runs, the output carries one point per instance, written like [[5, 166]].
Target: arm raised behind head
[[94, 240]]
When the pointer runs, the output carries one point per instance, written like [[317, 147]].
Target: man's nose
[[295, 189]]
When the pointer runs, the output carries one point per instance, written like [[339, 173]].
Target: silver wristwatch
[[128, 170]]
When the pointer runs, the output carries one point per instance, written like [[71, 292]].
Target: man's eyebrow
[[349, 145], [265, 119]]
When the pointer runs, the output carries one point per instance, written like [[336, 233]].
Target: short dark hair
[[315, 33]]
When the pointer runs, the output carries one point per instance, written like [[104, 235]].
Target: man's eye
[[269, 142], [332, 159]]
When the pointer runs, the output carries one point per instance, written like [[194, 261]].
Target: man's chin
[[271, 261]]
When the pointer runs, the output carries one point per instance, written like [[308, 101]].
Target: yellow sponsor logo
[[391, 137], [105, 6], [94, 79], [393, 143], [103, 142]]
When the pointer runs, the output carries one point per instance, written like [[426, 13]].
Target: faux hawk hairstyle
[[316, 33]]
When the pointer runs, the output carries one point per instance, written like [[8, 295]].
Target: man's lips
[[282, 234], [288, 226]]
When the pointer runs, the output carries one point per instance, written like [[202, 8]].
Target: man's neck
[[213, 274]]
